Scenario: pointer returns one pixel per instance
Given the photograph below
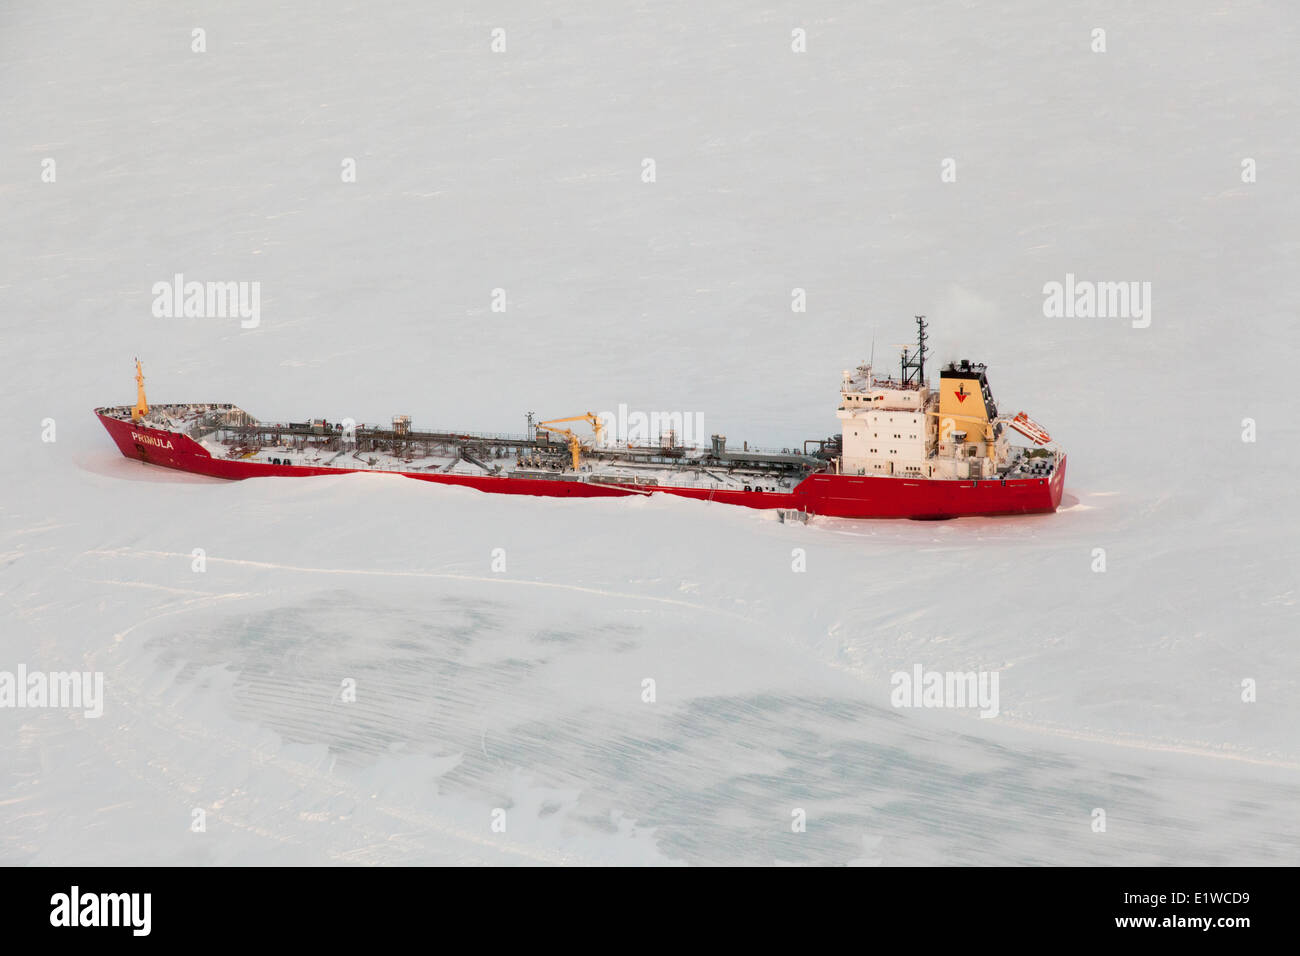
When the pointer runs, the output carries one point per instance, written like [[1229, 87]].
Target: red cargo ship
[[904, 451]]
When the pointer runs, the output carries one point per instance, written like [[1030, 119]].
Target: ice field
[[521, 689]]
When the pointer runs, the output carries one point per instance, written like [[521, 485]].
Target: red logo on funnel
[[961, 392]]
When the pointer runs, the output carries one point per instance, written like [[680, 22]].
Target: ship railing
[[415, 432], [701, 484]]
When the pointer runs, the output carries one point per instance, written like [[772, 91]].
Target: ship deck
[[226, 431]]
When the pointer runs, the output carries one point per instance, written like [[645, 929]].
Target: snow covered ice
[[522, 689]]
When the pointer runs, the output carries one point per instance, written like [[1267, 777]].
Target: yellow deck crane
[[141, 408], [575, 443]]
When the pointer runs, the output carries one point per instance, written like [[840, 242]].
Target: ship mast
[[913, 365], [141, 408]]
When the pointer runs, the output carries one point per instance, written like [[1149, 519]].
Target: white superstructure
[[887, 426]]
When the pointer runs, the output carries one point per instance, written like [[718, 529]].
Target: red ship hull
[[841, 496]]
